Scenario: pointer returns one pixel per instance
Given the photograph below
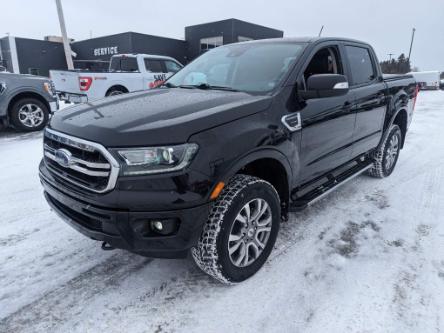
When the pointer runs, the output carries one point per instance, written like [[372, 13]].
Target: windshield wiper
[[168, 85], [206, 86]]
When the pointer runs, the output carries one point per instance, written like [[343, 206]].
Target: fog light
[[157, 225]]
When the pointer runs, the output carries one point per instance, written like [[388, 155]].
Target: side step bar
[[332, 184]]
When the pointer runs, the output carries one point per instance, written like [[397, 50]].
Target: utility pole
[[390, 55], [320, 32], [66, 46], [411, 42]]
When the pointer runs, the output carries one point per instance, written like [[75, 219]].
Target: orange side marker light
[[217, 190]]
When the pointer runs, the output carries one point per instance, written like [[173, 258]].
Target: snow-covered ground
[[368, 258]]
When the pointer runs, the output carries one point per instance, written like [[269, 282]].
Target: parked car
[[427, 80], [214, 159], [26, 101], [127, 73]]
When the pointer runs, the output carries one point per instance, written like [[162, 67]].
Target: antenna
[[320, 31]]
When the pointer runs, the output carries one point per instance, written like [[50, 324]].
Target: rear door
[[369, 91], [327, 123], [156, 72]]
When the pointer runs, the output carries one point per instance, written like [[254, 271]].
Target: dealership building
[[30, 56]]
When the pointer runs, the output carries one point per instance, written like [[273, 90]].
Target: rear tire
[[29, 114], [386, 156], [115, 91], [241, 230]]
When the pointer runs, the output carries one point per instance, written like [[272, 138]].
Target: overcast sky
[[386, 24]]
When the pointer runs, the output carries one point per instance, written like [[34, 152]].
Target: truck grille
[[82, 163]]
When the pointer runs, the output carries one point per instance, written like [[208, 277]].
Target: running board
[[332, 184]]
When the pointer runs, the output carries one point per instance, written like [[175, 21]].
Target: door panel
[[370, 107], [327, 134], [327, 123]]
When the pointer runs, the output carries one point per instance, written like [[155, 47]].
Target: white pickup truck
[[127, 73]]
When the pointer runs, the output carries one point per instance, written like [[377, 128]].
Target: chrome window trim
[[88, 146]]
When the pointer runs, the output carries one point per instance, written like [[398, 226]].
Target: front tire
[[29, 114], [386, 156], [241, 230]]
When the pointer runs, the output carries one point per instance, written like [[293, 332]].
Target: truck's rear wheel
[[29, 114], [386, 156], [115, 91], [241, 230]]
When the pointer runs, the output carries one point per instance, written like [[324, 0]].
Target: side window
[[325, 61], [172, 67], [129, 64], [361, 66], [154, 65]]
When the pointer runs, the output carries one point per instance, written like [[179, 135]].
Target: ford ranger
[[212, 161], [26, 101], [127, 73]]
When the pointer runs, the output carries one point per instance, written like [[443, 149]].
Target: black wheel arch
[[266, 163], [117, 87], [400, 118]]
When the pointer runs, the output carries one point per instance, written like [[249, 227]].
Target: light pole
[[411, 42], [66, 46], [390, 55]]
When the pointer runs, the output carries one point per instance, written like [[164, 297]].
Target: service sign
[[110, 50]]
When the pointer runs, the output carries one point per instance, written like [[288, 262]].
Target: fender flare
[[115, 85], [254, 155], [390, 123]]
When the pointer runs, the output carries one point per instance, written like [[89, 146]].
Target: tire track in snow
[[56, 306]]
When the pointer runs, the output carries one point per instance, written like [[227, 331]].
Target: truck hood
[[156, 117]]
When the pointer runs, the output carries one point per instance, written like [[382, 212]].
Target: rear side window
[[127, 64], [154, 65], [361, 66]]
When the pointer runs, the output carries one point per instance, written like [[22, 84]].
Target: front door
[[327, 123]]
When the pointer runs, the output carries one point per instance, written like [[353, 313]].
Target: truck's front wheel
[[241, 230], [29, 114]]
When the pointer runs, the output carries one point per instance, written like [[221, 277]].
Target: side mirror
[[325, 85]]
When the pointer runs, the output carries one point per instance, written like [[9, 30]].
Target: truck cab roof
[[142, 55]]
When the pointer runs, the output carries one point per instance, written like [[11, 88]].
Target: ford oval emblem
[[63, 157]]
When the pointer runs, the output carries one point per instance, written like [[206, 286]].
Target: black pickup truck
[[217, 157]]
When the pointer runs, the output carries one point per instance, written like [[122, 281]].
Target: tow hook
[[107, 247]]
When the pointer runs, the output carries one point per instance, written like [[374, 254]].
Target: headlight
[[142, 161]]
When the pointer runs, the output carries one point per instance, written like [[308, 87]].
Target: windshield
[[250, 67]]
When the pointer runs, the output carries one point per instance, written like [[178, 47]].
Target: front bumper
[[54, 106], [115, 226], [72, 98]]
